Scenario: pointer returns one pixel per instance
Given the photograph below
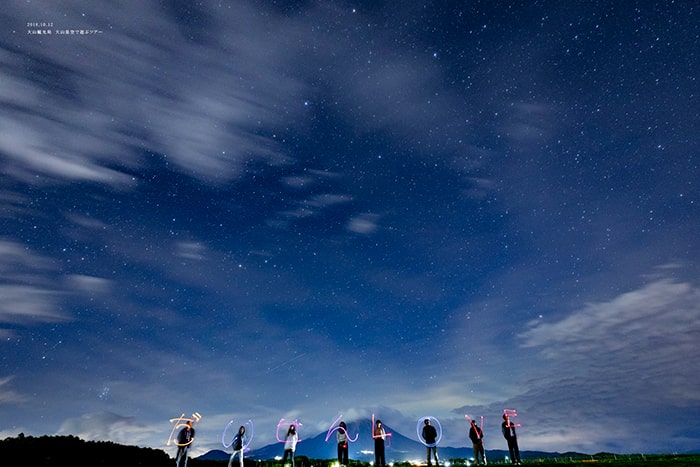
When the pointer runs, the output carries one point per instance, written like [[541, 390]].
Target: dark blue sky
[[266, 210]]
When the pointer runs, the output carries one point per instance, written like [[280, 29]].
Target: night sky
[[258, 210]]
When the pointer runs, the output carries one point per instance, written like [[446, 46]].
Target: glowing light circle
[[418, 431], [249, 434]]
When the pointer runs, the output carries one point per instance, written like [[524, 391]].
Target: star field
[[269, 209]]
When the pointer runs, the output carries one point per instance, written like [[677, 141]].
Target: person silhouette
[[238, 446], [508, 430], [429, 435], [185, 438], [341, 437], [290, 444], [476, 434], [379, 436]]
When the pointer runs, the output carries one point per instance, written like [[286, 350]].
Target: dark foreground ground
[[619, 460], [50, 451]]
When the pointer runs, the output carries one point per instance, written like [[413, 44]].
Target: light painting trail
[[511, 413], [469, 421], [247, 424], [418, 426], [180, 422], [387, 436], [335, 427], [481, 427], [285, 423]]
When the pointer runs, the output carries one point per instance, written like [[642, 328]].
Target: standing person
[[508, 430], [430, 435], [342, 437], [290, 444], [379, 436], [476, 434], [184, 440], [238, 445]]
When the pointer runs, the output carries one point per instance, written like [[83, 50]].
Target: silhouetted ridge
[[69, 450]]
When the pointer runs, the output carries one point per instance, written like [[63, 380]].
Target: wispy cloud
[[208, 115], [26, 296], [365, 223], [628, 345], [7, 394], [107, 426]]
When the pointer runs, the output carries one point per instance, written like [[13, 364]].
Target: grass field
[[607, 460], [623, 460], [60, 451]]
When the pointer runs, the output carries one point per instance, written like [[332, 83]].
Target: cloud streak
[[630, 345]]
